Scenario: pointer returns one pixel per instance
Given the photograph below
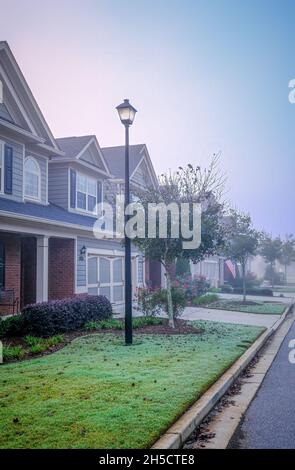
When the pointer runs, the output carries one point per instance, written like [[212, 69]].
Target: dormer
[[76, 180]]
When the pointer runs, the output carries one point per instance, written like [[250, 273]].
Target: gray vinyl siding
[[141, 176], [42, 162], [17, 170], [58, 181], [4, 114]]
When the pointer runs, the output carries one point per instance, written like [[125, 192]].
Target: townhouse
[[49, 191]]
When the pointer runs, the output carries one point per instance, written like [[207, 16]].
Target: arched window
[[32, 179]]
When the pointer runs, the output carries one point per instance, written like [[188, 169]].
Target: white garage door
[[105, 277]]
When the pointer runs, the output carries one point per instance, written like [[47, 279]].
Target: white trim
[[42, 269], [93, 180], [20, 130], [87, 165], [76, 265], [91, 141], [17, 100], [47, 182]]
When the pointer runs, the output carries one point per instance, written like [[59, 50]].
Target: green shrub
[[226, 288], [140, 322], [192, 287], [215, 290], [12, 326], [254, 291], [146, 302], [32, 340], [112, 323], [38, 348], [13, 352], [54, 340], [60, 316], [178, 300], [205, 299]]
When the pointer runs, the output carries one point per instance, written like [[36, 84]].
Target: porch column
[[42, 269]]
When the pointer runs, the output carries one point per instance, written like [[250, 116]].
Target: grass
[[267, 308], [98, 393], [285, 289], [32, 345], [205, 299]]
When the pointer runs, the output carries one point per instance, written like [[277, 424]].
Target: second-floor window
[[86, 193], [32, 179]]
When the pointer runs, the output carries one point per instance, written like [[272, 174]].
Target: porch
[[36, 268]]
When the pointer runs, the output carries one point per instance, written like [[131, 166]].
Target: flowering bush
[[146, 303], [178, 300], [193, 287], [59, 316]]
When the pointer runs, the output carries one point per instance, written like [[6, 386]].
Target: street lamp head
[[126, 113]]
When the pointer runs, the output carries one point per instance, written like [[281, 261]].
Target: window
[[32, 179], [86, 193]]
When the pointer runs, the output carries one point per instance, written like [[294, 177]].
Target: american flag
[[232, 267]]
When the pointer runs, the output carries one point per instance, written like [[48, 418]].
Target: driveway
[[225, 316]]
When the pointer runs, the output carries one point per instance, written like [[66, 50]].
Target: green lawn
[[98, 393], [266, 308]]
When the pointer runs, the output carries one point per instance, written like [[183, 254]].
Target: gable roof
[[24, 98], [115, 158], [72, 146], [75, 147]]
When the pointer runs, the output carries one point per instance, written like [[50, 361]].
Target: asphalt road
[[269, 422]]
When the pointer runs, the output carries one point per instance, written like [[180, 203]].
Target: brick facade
[[12, 266], [28, 276], [61, 268]]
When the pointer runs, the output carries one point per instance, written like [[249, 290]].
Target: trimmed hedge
[[60, 316], [12, 326], [253, 291]]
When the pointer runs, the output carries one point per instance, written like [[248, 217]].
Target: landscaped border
[[177, 434]]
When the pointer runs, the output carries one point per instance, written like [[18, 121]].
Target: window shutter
[[99, 192], [73, 189], [8, 162]]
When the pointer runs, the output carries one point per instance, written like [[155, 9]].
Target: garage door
[[105, 277]]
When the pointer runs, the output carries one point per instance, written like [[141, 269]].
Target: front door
[[105, 277]]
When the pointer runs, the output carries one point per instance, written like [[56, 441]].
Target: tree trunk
[[285, 274], [244, 281], [169, 300], [272, 274]]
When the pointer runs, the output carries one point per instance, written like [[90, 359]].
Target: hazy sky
[[205, 75]]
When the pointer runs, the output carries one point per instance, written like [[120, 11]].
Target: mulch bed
[[182, 327]]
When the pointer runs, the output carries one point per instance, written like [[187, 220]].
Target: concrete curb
[[177, 434]]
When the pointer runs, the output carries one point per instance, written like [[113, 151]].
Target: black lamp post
[[127, 113]]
